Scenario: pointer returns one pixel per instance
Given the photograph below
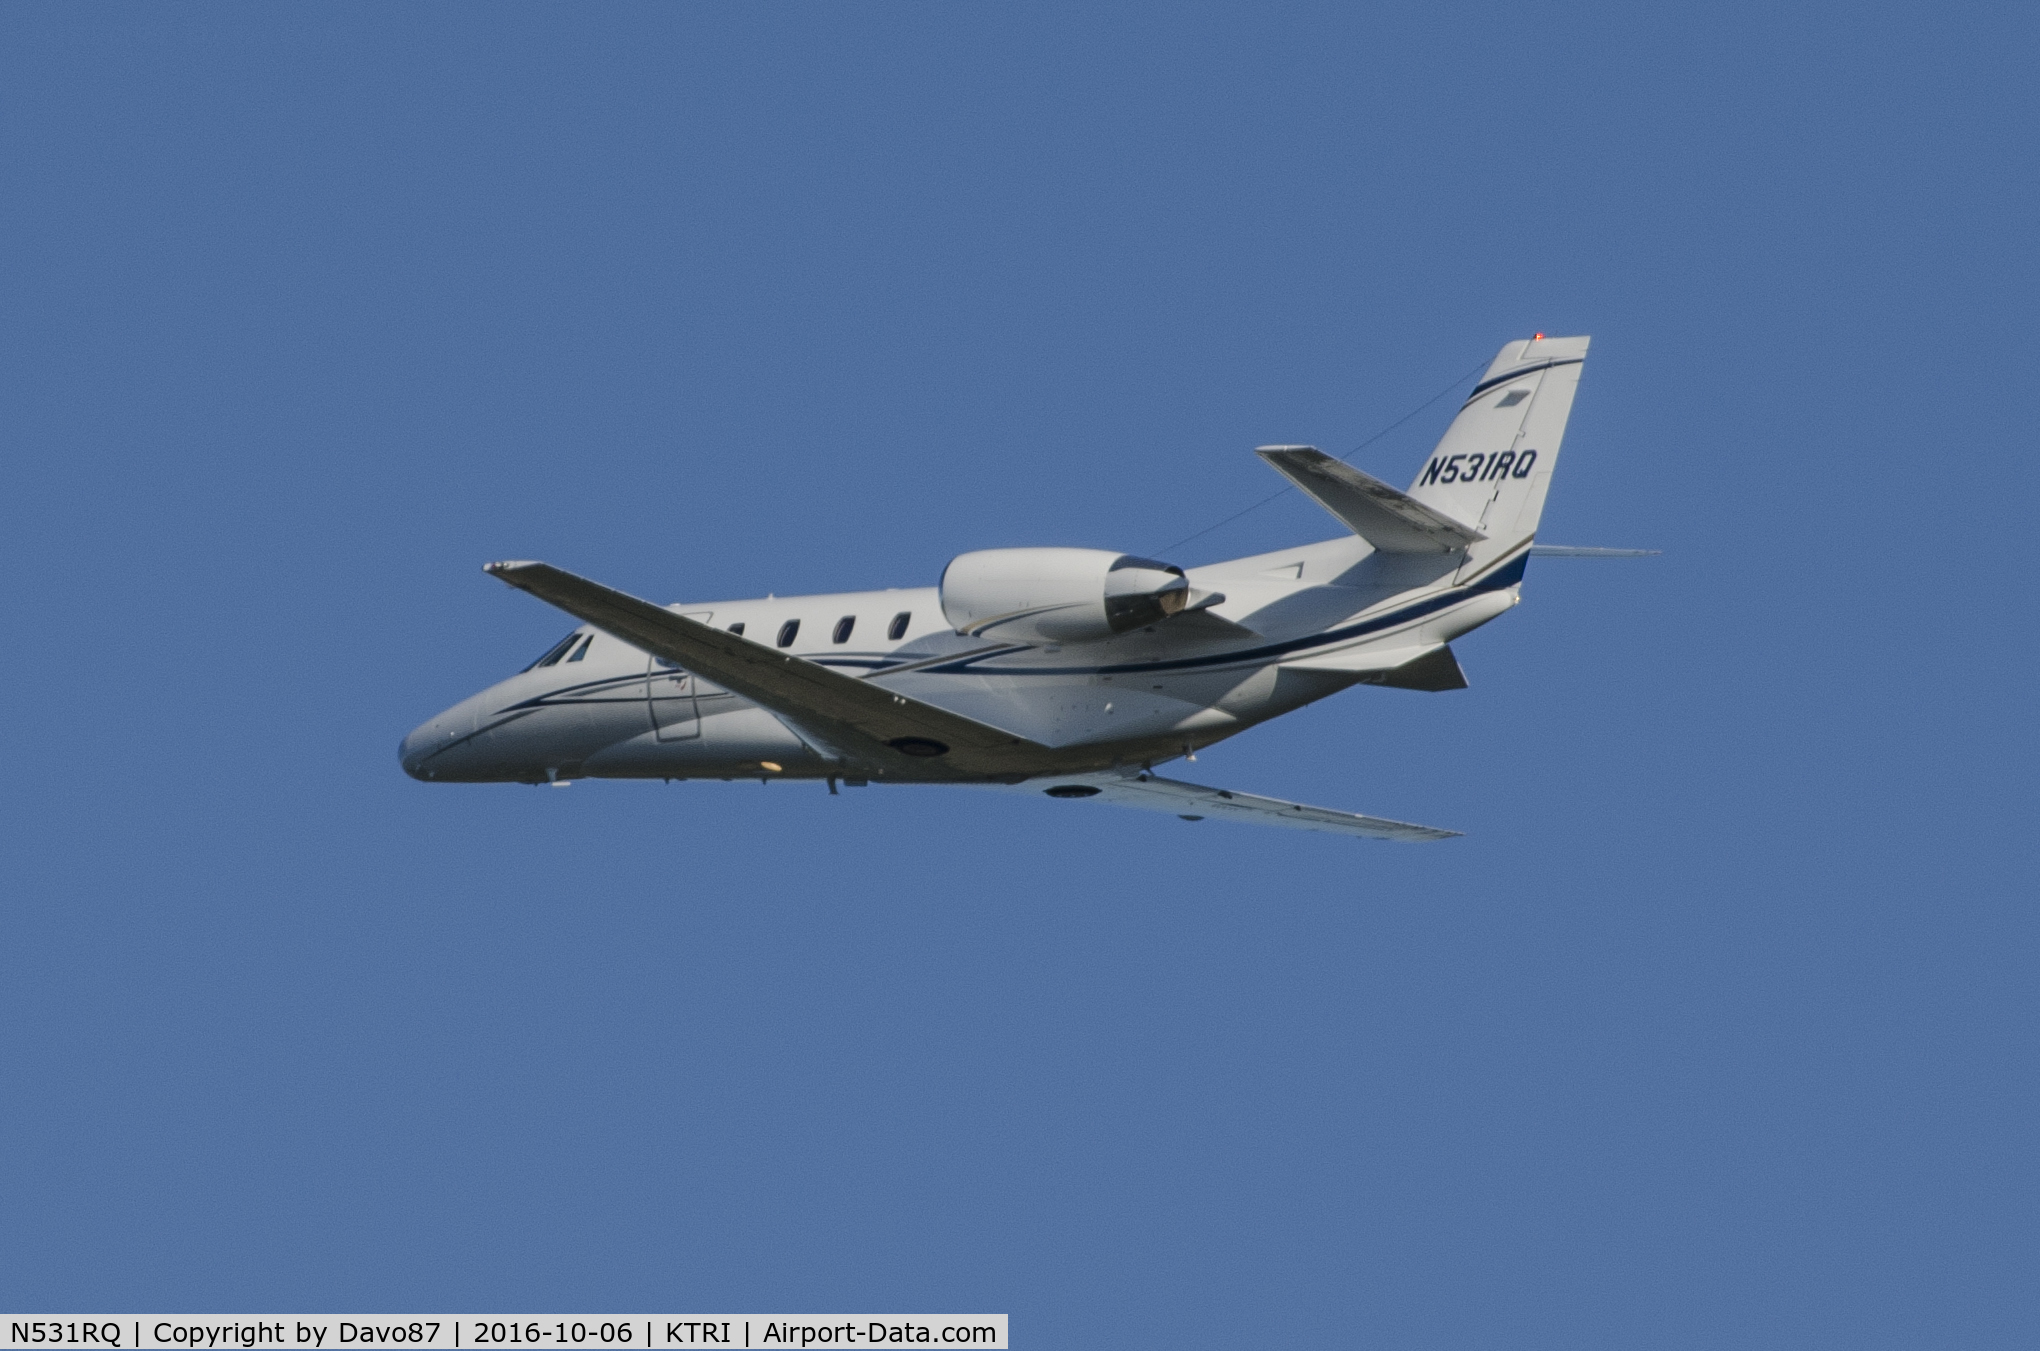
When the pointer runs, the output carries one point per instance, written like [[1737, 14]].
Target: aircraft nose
[[411, 751], [416, 751]]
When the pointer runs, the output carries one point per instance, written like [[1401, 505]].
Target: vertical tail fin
[[1494, 464]]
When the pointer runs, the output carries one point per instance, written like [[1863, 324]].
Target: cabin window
[[788, 632], [898, 628], [1512, 398], [556, 651], [843, 627], [582, 650], [738, 628]]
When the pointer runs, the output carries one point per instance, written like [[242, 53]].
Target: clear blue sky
[[1719, 1028]]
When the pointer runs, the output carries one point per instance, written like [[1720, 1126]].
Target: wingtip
[[508, 565]]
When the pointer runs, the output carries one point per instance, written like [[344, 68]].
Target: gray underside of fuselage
[[727, 737]]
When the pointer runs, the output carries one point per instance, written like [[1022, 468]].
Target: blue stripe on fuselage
[[1501, 578]]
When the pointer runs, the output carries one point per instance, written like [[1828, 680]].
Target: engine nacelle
[[1058, 595]]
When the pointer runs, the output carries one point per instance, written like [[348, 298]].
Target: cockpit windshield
[[555, 652]]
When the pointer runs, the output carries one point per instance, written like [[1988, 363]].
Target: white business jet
[[1070, 672]]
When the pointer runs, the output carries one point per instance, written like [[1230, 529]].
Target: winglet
[[1386, 517]]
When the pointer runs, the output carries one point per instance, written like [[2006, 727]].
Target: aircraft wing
[[860, 720], [1194, 802]]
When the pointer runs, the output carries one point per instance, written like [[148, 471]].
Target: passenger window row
[[575, 645], [845, 626]]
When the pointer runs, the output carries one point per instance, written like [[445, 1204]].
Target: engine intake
[[1058, 595]]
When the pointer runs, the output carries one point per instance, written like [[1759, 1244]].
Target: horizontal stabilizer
[[1428, 667], [1576, 551], [1386, 517], [1434, 672], [1193, 802], [861, 721]]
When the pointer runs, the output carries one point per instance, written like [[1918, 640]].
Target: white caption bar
[[498, 1332]]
